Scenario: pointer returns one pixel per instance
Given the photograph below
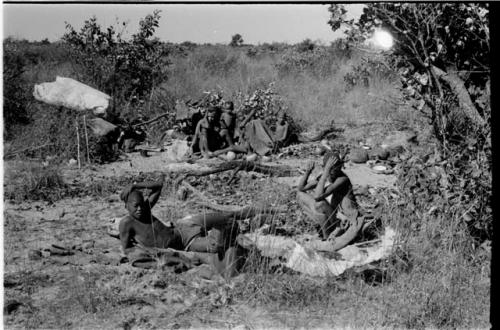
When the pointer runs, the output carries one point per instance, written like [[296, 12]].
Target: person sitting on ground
[[141, 229], [332, 204], [198, 115], [206, 138], [228, 123], [282, 134]]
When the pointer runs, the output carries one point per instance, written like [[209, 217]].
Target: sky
[[199, 23]]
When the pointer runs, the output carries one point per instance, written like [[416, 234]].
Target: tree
[[116, 66], [442, 56], [307, 45], [441, 52], [15, 98], [236, 40]]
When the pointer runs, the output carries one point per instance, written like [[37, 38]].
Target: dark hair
[[126, 194], [213, 108], [229, 105], [335, 155]]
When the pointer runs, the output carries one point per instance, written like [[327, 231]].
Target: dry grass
[[434, 279]]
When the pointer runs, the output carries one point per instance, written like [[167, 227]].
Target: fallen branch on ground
[[242, 165], [207, 202], [151, 121]]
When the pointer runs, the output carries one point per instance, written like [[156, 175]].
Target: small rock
[[231, 156], [251, 158], [11, 306], [319, 151], [182, 193], [34, 255], [88, 245]]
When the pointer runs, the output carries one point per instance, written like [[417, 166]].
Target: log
[[190, 258], [151, 121], [207, 202], [243, 165], [458, 87]]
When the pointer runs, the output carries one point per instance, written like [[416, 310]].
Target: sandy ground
[[64, 291]]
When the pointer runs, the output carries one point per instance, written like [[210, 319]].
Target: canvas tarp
[[72, 94]]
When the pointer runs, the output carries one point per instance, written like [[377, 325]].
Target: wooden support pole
[[78, 143], [86, 138]]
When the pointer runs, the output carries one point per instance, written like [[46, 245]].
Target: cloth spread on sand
[[305, 256], [259, 136]]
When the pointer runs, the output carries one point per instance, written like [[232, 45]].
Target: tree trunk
[[278, 170], [458, 87]]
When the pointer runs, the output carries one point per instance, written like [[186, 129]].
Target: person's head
[[228, 106], [211, 114], [338, 162], [134, 203], [202, 110]]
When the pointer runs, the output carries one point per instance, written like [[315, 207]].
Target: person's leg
[[320, 212], [230, 264], [224, 219]]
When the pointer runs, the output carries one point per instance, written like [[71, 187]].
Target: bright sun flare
[[383, 39]]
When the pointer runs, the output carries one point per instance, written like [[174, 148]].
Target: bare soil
[[91, 288]]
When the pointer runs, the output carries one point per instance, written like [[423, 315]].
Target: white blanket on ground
[[304, 259]]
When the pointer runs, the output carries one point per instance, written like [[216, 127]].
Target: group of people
[[328, 200], [217, 130]]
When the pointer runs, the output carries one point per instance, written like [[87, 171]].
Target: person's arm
[[319, 191], [337, 185], [203, 138], [248, 118], [303, 185], [126, 235], [154, 186]]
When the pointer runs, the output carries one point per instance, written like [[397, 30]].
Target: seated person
[[140, 228], [207, 134], [282, 133], [228, 122], [196, 117], [332, 202]]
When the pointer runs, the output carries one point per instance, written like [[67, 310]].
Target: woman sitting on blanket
[[332, 204], [140, 228]]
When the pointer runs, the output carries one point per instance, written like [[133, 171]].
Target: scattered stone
[[11, 306], [34, 255], [88, 245], [251, 158], [182, 194]]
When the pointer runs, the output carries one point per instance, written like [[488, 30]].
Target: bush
[[15, 97], [31, 181]]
